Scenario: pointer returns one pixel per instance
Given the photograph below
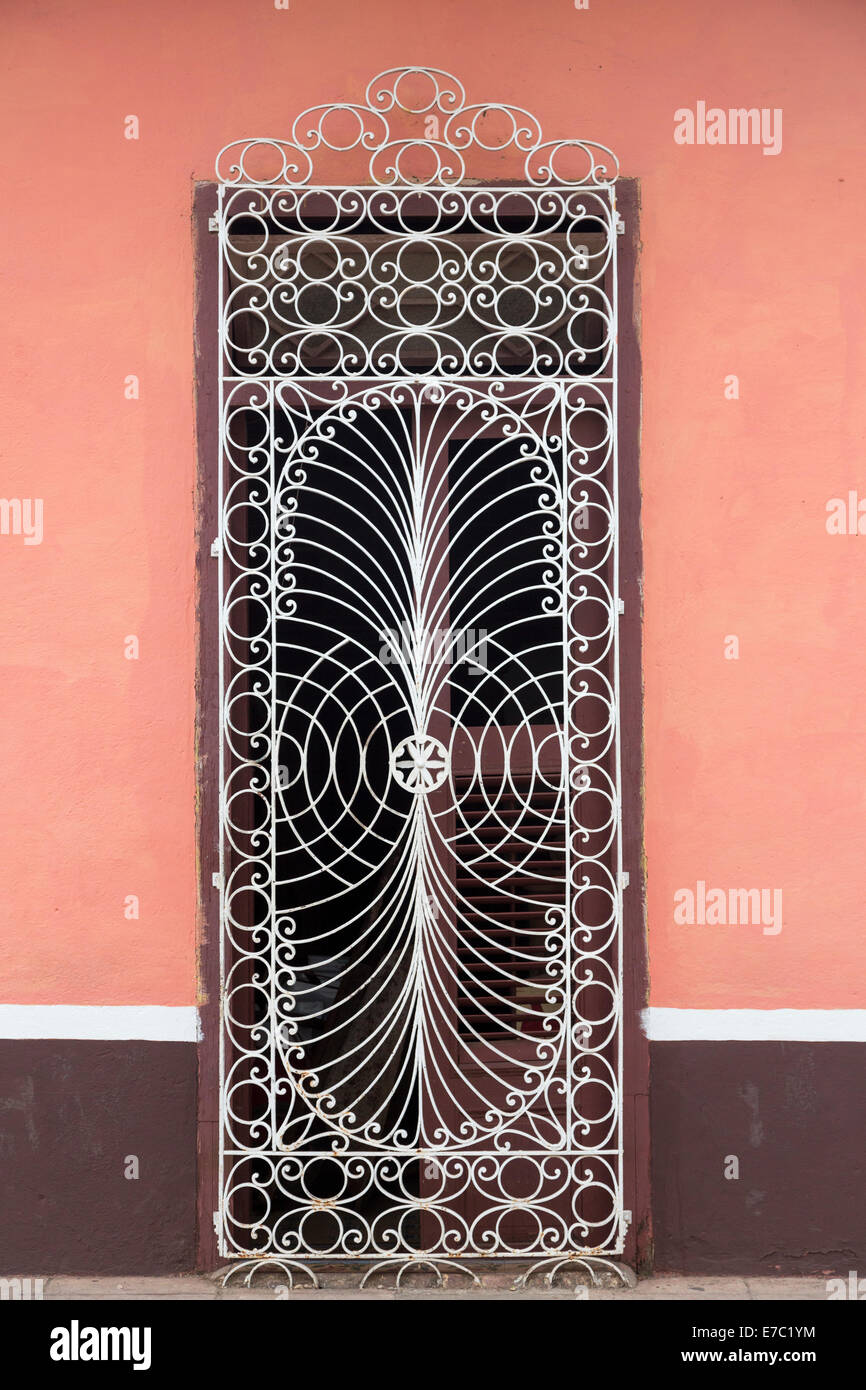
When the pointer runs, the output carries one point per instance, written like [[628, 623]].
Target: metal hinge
[[215, 547], [213, 222], [625, 878], [620, 226], [625, 1222], [620, 605], [216, 1222], [216, 879]]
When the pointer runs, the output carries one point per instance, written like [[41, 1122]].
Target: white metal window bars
[[420, 860]]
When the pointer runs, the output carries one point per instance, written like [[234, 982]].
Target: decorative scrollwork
[[464, 283], [398, 154], [420, 784]]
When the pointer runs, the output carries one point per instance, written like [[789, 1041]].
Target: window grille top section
[[389, 282], [415, 127]]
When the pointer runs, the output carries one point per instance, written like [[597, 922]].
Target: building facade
[[256, 355]]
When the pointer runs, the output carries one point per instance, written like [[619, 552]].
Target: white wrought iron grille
[[421, 866]]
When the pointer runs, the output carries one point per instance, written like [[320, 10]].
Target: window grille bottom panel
[[483, 1204]]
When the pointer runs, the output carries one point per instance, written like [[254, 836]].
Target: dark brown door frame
[[636, 1066], [636, 1197], [207, 731]]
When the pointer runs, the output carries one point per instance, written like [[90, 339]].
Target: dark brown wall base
[[794, 1115], [70, 1114]]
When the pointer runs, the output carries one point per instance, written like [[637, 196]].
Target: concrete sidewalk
[[663, 1287]]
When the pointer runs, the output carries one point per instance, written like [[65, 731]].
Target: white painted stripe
[[163, 1023], [755, 1025], [138, 1022]]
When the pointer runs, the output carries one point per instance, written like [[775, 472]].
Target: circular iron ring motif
[[420, 763]]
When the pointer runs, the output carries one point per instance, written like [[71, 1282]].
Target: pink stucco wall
[[751, 265]]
